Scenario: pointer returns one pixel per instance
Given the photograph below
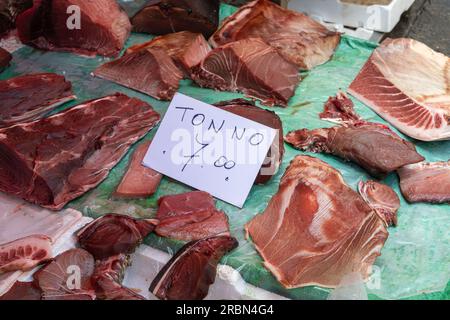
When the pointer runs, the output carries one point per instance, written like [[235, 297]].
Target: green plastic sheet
[[415, 262]]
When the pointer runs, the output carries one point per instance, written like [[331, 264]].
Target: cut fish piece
[[190, 216], [187, 49], [298, 38], [188, 275], [340, 109], [52, 25], [426, 182], [5, 58], [406, 83], [22, 291], [166, 16], [139, 181], [316, 229], [82, 144], [48, 90], [9, 10], [252, 67], [150, 71], [382, 199], [247, 109]]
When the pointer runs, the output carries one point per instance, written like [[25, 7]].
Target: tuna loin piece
[[300, 39], [114, 234], [166, 16], [426, 182], [48, 90], [83, 144], [9, 10], [188, 275], [247, 109], [25, 253], [382, 199], [406, 83], [190, 216], [139, 181], [22, 291], [149, 71], [5, 58], [252, 67], [187, 49], [104, 27], [336, 232]]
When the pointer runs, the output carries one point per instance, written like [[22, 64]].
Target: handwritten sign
[[209, 149]]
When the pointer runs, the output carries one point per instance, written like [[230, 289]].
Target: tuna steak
[[316, 229], [252, 67], [406, 83], [82, 143], [298, 38], [22, 291], [150, 71], [48, 90], [103, 27], [5, 59]]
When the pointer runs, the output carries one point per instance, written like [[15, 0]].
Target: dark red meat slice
[[185, 203], [25, 253], [150, 71], [5, 58], [9, 10], [300, 39], [382, 199], [113, 234], [82, 144], [187, 49], [139, 181], [166, 16], [22, 291], [31, 97], [339, 109], [103, 29], [252, 67], [247, 109], [188, 275], [316, 229]]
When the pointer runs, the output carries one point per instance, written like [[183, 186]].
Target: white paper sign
[[209, 149]]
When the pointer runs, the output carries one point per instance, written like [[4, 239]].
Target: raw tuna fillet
[[108, 276], [252, 67], [426, 182], [5, 58], [160, 17], [190, 216], [188, 275], [300, 39], [57, 280], [48, 90], [51, 25], [139, 181], [82, 144], [22, 291], [25, 253], [113, 234], [316, 229], [149, 71], [382, 199], [247, 109], [9, 10], [406, 83]]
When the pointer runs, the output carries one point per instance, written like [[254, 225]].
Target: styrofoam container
[[382, 18]]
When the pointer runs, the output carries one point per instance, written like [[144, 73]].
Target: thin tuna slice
[[149, 71], [316, 229], [406, 83], [26, 253], [188, 275], [82, 144], [22, 291], [426, 182], [300, 39], [252, 67], [5, 58], [190, 216], [67, 277], [113, 234], [166, 16], [48, 91], [247, 109], [382, 199], [187, 49], [139, 181], [102, 29]]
